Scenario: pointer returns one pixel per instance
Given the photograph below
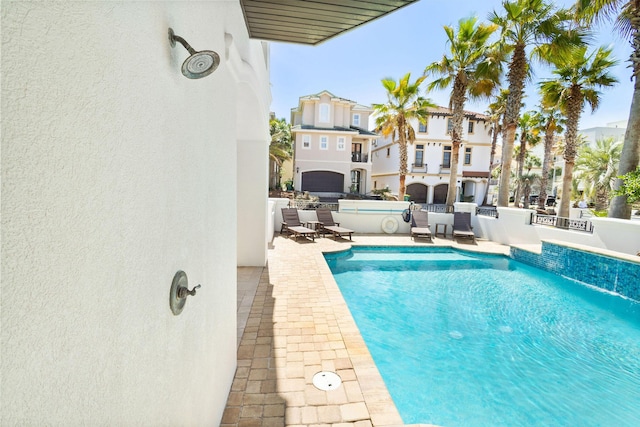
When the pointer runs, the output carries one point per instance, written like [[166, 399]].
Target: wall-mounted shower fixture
[[179, 292], [198, 64]]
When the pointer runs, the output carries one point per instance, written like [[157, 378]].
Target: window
[[324, 113], [306, 141], [356, 119], [419, 156], [324, 142], [422, 127], [341, 143], [449, 125], [467, 156], [446, 157], [471, 126]]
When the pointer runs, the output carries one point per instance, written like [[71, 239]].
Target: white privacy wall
[[113, 168]]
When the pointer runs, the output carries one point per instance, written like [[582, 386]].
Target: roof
[[443, 111], [311, 22], [360, 131], [315, 96]]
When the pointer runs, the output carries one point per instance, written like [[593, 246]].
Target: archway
[[418, 192], [440, 194]]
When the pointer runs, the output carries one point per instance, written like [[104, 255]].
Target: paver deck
[[298, 325]]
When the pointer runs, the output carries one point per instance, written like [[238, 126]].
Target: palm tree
[[404, 104], [495, 113], [627, 14], [597, 168], [472, 70], [551, 122], [529, 137], [578, 77], [527, 181], [535, 24], [280, 148]]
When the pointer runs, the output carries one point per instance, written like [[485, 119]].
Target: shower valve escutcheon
[[179, 292]]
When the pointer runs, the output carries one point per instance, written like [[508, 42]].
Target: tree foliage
[[630, 187], [472, 69], [529, 28], [626, 14], [281, 147], [404, 104]]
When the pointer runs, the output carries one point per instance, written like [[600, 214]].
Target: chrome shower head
[[198, 64]]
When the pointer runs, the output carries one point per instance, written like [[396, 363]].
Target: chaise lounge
[[292, 225], [462, 226], [420, 226], [327, 225]]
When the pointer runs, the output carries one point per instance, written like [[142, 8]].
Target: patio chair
[[462, 226], [292, 225], [420, 226], [327, 225]]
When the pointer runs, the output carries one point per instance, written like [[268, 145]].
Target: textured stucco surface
[[114, 169]]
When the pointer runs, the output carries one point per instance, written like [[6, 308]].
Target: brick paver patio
[[298, 324]]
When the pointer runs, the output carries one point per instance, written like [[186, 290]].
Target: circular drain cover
[[327, 380]]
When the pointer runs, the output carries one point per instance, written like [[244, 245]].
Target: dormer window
[[356, 119], [323, 116]]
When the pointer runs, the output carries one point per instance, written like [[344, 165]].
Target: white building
[[331, 145], [429, 161], [118, 172]]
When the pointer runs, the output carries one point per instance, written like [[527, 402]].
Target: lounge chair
[[420, 226], [292, 225], [327, 225], [462, 226]]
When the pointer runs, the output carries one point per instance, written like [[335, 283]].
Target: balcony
[[446, 168], [357, 157], [419, 167]]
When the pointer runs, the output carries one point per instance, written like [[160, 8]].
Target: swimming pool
[[464, 339]]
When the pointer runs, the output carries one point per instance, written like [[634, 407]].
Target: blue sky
[[352, 64]]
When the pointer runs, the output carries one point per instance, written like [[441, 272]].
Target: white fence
[[513, 225]]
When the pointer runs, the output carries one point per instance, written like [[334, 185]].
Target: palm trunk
[[630, 155], [402, 142], [458, 99], [521, 156], [494, 143], [546, 165], [602, 197], [574, 109], [567, 178], [516, 75], [507, 158]]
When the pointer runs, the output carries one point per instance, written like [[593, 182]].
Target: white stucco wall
[[114, 166]]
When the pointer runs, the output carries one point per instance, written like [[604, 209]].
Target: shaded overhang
[[475, 174], [311, 21]]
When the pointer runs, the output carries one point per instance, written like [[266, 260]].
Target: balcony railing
[[359, 158], [445, 168], [485, 211], [419, 167], [563, 223], [438, 208]]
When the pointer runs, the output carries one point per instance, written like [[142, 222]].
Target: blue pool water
[[463, 339]]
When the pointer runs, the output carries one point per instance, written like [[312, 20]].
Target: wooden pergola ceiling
[[311, 21]]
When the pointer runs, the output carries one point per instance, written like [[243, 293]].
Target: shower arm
[[183, 42]]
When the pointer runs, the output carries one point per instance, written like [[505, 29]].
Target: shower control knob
[[184, 292]]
